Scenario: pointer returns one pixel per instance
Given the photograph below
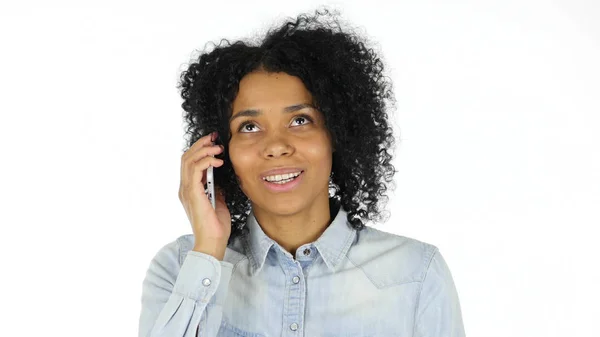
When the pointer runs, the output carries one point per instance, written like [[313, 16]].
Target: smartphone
[[210, 186], [210, 181]]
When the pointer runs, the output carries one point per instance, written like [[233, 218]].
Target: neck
[[293, 230]]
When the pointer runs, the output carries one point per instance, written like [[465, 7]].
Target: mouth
[[284, 185]]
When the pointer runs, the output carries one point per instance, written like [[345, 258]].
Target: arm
[[177, 300], [438, 312]]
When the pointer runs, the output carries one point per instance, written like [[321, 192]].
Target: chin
[[284, 205]]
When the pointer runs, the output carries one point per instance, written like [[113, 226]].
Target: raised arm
[[183, 300]]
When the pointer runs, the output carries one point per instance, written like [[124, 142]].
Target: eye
[[303, 117], [244, 124], [250, 123]]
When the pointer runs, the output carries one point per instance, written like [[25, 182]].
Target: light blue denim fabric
[[346, 283]]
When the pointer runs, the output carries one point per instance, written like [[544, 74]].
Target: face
[[274, 125]]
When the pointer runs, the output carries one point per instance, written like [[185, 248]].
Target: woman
[[301, 163]]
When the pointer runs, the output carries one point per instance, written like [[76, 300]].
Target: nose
[[277, 147]]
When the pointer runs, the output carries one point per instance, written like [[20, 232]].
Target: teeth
[[283, 181], [281, 177]]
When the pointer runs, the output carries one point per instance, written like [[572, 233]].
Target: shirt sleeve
[[438, 311], [183, 300]]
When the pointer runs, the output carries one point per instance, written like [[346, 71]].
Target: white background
[[498, 151]]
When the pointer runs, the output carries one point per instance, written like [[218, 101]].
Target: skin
[[275, 139]]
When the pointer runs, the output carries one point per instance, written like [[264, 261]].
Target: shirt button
[[296, 279], [294, 326], [206, 282], [307, 252]]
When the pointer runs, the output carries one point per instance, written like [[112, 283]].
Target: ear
[[219, 192]]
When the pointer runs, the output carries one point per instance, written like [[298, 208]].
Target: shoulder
[[389, 259]]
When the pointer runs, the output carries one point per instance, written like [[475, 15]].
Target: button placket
[[296, 299]]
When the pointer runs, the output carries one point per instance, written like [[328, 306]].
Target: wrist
[[214, 251]]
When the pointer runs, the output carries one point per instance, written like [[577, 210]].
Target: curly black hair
[[348, 86]]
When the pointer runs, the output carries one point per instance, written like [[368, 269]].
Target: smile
[[284, 185]]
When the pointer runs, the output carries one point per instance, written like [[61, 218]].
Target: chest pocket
[[228, 330]]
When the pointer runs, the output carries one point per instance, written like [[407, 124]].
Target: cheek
[[320, 148], [240, 160], [238, 164]]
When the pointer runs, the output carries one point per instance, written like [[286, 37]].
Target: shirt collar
[[333, 244]]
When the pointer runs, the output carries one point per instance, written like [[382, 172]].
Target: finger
[[188, 163], [198, 172], [203, 152], [205, 141], [193, 179], [200, 161], [188, 159], [200, 143]]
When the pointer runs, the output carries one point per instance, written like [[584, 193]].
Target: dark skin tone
[[286, 131]]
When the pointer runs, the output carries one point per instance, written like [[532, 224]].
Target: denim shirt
[[347, 283]]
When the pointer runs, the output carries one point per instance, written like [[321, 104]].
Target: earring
[[332, 186]]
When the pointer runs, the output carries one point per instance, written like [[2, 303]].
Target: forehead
[[263, 90]]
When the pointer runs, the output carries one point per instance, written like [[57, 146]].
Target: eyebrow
[[257, 112]]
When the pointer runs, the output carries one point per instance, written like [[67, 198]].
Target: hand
[[211, 227]]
